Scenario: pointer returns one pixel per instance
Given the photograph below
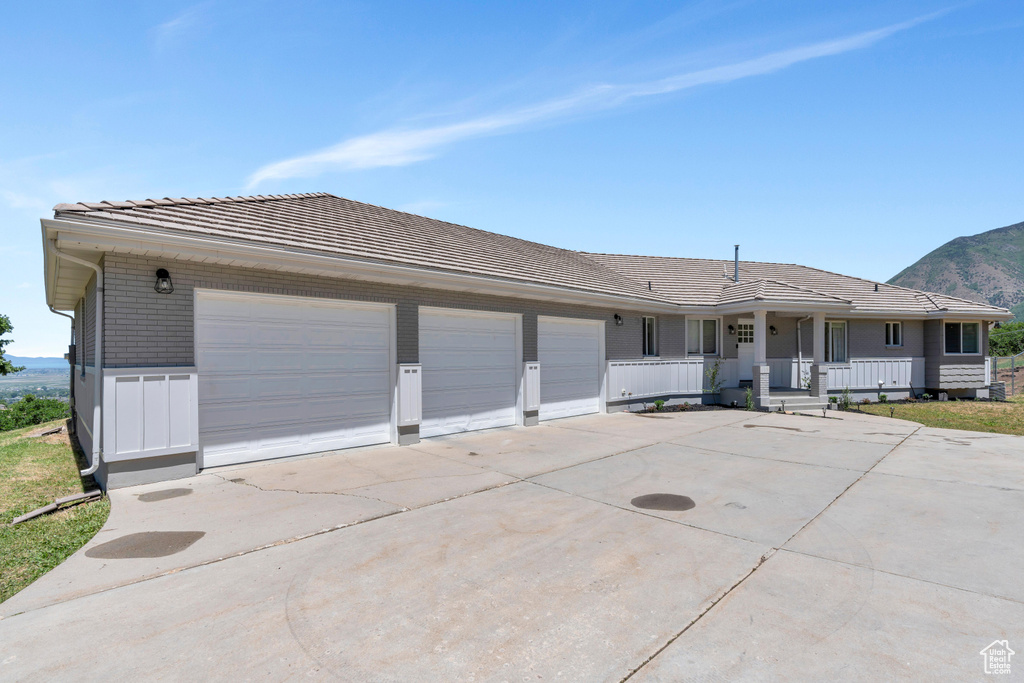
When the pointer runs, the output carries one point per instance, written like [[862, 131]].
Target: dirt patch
[[145, 544], [668, 502], [162, 494]]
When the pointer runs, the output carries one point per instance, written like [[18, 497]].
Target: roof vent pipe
[[736, 272]]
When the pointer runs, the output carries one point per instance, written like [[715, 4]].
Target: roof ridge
[[692, 258], [182, 201], [958, 298], [807, 289]]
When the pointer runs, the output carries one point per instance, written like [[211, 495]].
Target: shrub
[[883, 398], [659, 404], [865, 401], [713, 375], [846, 400], [833, 399], [32, 411], [749, 399]]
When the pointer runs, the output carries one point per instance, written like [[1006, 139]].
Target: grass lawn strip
[[977, 416], [34, 472]]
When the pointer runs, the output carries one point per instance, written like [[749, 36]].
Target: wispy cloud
[[24, 285], [179, 28], [18, 200], [400, 147]]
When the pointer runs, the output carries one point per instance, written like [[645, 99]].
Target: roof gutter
[[97, 383], [116, 236]]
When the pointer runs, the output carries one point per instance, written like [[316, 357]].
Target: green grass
[[980, 416], [34, 472]]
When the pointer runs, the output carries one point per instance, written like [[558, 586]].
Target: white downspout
[[71, 389], [800, 351], [97, 388]]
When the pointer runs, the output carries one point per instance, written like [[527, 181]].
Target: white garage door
[[569, 352], [283, 376], [470, 371]]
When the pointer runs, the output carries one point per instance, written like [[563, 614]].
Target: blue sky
[[854, 136]]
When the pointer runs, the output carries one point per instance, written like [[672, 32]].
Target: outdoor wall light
[[163, 282], [618, 319], [771, 328], [732, 329]]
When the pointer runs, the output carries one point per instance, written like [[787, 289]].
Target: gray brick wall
[[143, 328], [867, 339], [89, 321], [935, 359]]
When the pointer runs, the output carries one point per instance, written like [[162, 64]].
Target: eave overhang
[[87, 237], [90, 239]]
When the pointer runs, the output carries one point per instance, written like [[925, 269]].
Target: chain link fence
[[1010, 370]]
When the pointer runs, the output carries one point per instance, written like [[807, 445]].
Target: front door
[[745, 348]]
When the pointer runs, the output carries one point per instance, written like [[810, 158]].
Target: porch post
[[819, 372], [761, 369]]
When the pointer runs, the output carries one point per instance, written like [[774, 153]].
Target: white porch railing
[[655, 377], [865, 373], [988, 371], [785, 373], [149, 412]]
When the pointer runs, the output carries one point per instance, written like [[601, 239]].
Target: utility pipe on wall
[[71, 389], [97, 387], [800, 351]]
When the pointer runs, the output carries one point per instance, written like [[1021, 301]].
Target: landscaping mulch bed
[[681, 408]]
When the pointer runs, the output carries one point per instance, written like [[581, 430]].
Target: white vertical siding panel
[[149, 412]]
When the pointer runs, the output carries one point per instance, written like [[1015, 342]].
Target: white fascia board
[[993, 316], [892, 315], [117, 237], [781, 307]]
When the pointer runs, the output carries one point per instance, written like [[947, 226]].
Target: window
[[745, 333], [835, 342], [963, 338], [702, 336], [650, 336], [894, 334]]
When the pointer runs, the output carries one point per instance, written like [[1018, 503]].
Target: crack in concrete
[[872, 568], [243, 482], [764, 559], [761, 457], [959, 482], [711, 606]]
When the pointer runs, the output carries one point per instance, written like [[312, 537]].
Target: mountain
[[37, 363], [988, 267]]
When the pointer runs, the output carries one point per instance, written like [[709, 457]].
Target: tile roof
[[325, 223], [773, 290], [704, 282], [333, 225]]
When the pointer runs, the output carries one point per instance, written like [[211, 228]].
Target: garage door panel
[[351, 336], [226, 307], [569, 353], [453, 379], [281, 336], [287, 376], [470, 370], [224, 333], [346, 360]]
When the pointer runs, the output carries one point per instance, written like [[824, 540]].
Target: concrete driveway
[[789, 547]]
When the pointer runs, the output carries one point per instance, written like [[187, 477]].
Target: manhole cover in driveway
[[145, 544], [669, 502]]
